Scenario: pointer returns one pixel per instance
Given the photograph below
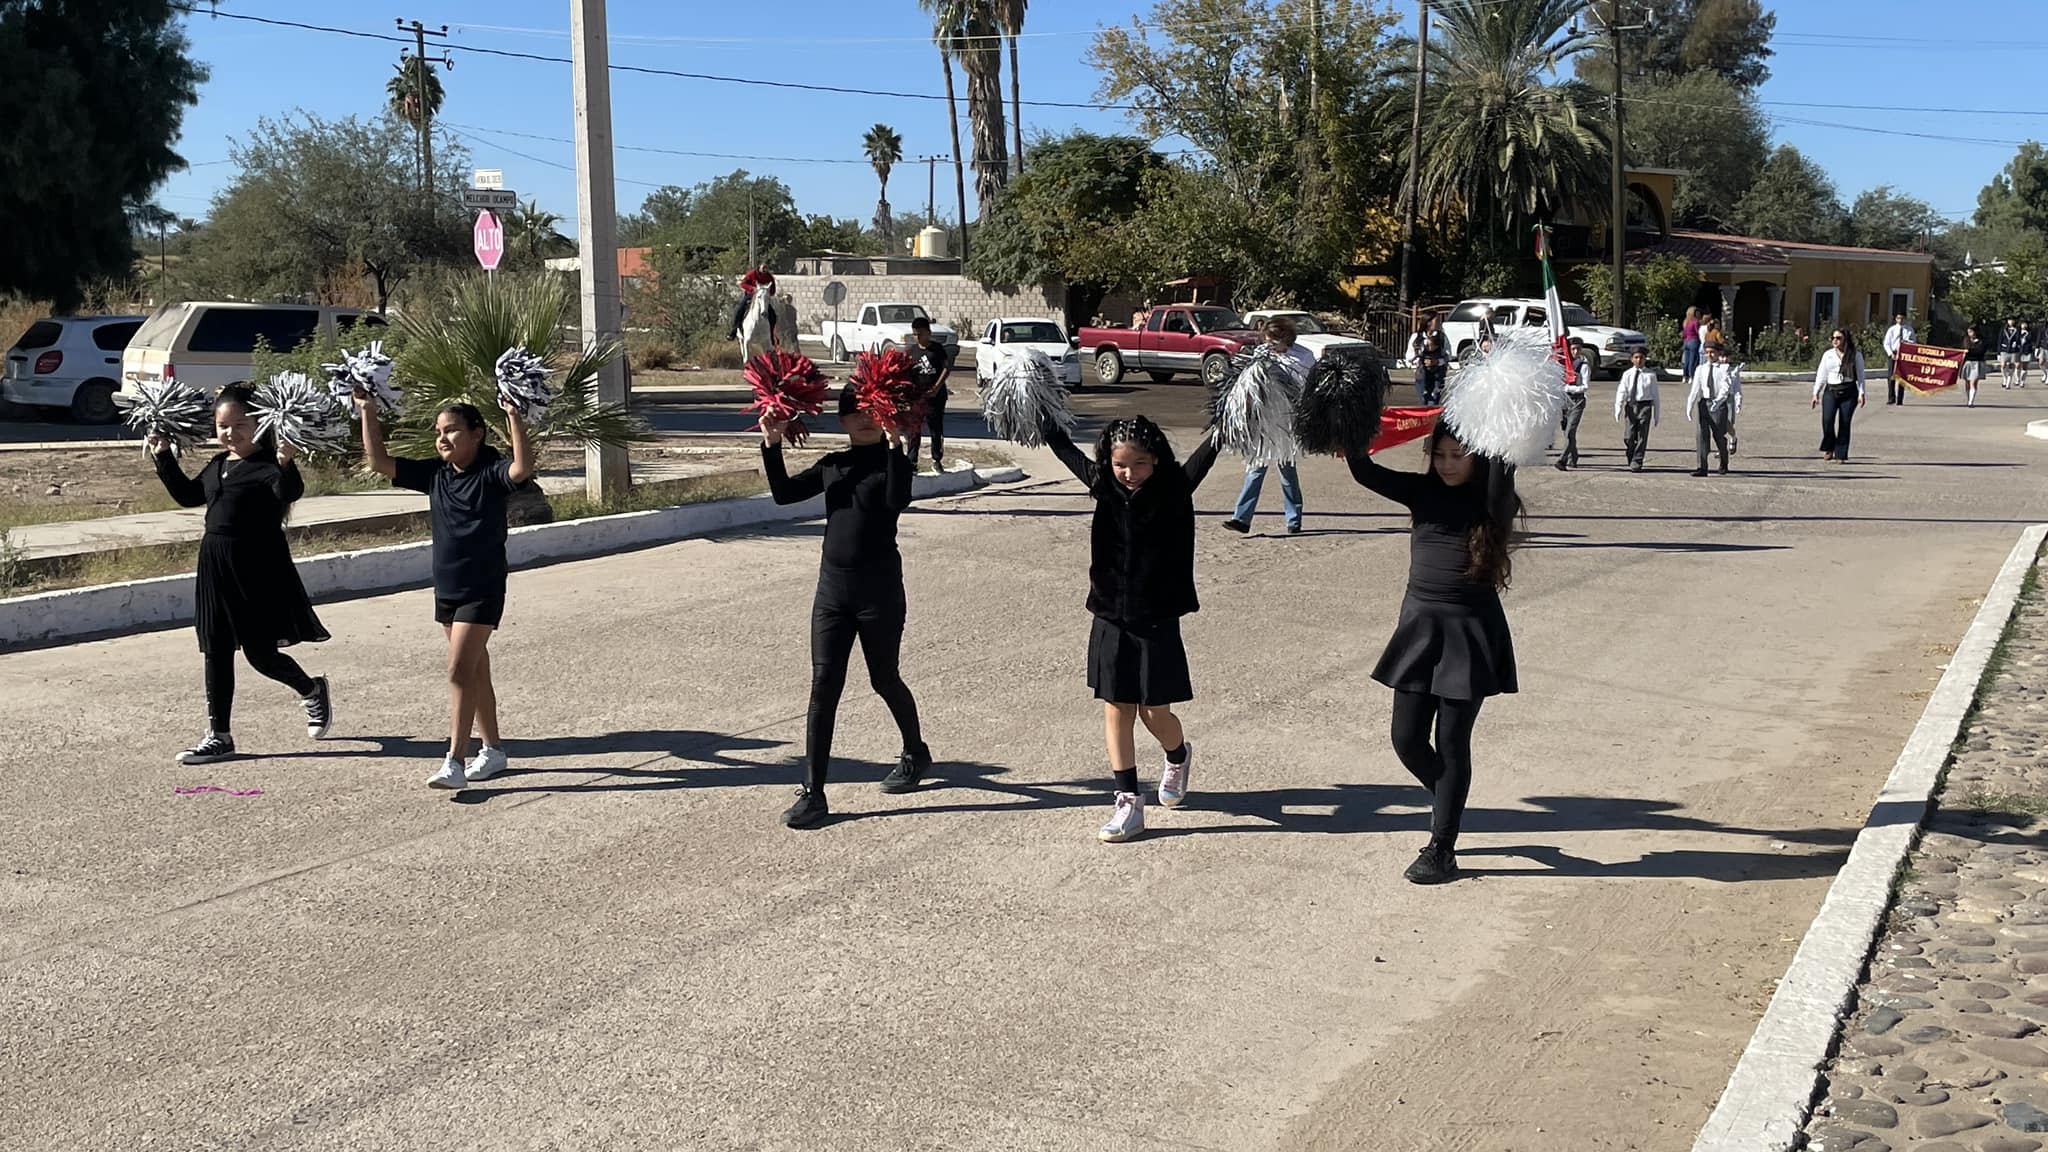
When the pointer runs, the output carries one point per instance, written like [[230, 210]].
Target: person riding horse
[[756, 280]]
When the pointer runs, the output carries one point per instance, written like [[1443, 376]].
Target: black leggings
[[264, 657], [1446, 769], [842, 612]]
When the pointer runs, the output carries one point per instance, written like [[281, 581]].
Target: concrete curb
[[73, 614], [1770, 1095], [2038, 429]]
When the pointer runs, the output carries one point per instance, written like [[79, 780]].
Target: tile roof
[[1714, 248]]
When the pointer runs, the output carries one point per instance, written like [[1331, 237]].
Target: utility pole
[[420, 64], [1618, 207], [605, 469], [753, 235], [1414, 155]]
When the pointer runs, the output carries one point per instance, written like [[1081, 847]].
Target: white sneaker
[[488, 762], [1128, 821], [449, 777], [1173, 781]]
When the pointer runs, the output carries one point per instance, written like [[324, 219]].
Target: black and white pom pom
[[369, 370], [177, 414], [301, 413], [1340, 405], [1253, 408], [523, 383], [1023, 397], [1505, 405]]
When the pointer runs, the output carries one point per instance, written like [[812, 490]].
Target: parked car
[[881, 326], [209, 345], [1013, 335], [1310, 333], [1610, 346], [69, 364], [1175, 338]]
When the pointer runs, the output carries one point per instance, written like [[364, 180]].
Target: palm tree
[[415, 93], [966, 30], [945, 14], [1010, 15], [1500, 140], [536, 226], [884, 146]]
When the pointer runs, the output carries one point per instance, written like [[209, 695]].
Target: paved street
[[616, 946]]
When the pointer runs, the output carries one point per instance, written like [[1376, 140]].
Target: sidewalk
[[1944, 1052]]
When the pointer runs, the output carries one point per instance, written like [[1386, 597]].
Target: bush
[[652, 354], [1784, 346], [1665, 286], [716, 352], [1667, 344]]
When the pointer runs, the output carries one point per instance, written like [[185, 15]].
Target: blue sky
[[1860, 56]]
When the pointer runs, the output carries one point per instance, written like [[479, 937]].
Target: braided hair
[[1138, 432]]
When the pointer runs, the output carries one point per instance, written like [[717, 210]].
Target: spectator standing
[[930, 364], [1689, 337], [1434, 366], [1298, 361]]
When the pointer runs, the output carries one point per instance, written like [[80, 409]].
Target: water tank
[[931, 243]]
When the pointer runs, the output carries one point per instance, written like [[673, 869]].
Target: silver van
[[209, 345]]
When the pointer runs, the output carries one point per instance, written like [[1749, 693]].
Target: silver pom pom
[[177, 414], [1505, 405], [369, 370], [301, 413], [523, 383], [1253, 408], [1023, 397]]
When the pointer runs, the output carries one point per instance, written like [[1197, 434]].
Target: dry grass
[[16, 316], [145, 563], [101, 484], [662, 494]]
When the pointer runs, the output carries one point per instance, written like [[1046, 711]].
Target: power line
[[669, 151]]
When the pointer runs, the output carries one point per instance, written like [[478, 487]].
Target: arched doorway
[[1752, 313]]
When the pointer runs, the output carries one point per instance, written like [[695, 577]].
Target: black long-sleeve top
[[1439, 552], [1141, 563], [865, 488], [243, 498], [1976, 350]]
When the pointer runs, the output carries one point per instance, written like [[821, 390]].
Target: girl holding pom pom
[[248, 594], [1141, 581], [466, 490], [1451, 649], [860, 591]]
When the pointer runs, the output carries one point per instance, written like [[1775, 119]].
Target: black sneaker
[[319, 709], [909, 772], [1433, 865], [1294, 529], [1237, 526], [809, 811], [216, 746]]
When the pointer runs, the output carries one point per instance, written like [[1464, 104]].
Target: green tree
[[318, 205], [2016, 200], [415, 94], [1709, 128], [1069, 218], [1669, 39], [884, 148], [966, 31], [1794, 200], [1883, 218], [1663, 286], [819, 233], [1988, 297], [93, 97], [535, 229], [707, 223], [1498, 141]]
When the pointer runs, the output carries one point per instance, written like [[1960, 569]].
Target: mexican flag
[[1560, 336]]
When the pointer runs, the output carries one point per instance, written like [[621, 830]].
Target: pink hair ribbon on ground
[[196, 789]]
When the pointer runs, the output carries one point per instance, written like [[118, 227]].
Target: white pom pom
[[1024, 395], [523, 383], [1254, 408], [177, 414], [300, 413], [1505, 405], [370, 370]]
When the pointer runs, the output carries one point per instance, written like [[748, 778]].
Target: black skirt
[[1457, 651], [1138, 663], [249, 591]]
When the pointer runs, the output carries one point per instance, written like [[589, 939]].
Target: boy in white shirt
[[1712, 402], [1574, 406], [1636, 400]]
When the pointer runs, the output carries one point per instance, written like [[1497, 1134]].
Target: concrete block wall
[[954, 300]]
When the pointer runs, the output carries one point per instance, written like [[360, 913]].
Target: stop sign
[[488, 241]]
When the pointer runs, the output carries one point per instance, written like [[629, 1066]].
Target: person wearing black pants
[[1452, 648], [1838, 393], [931, 364], [248, 595], [860, 593]]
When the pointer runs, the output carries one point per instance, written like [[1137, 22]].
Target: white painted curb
[[1770, 1096], [104, 609], [2038, 429]]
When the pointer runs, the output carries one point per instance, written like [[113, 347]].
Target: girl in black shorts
[[1141, 581], [466, 490], [248, 594]]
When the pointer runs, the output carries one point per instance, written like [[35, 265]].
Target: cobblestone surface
[[1947, 1048]]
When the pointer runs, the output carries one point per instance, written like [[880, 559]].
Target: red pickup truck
[[1174, 338]]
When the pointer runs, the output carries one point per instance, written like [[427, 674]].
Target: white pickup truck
[[880, 326]]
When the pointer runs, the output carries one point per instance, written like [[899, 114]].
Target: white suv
[[1608, 347], [69, 364], [210, 346]]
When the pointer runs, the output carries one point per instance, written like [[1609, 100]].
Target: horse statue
[[755, 331]]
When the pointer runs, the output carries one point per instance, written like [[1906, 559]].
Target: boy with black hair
[[1636, 401], [1574, 405], [930, 364]]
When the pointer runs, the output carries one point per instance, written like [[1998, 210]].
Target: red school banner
[[1400, 425], [1926, 368]]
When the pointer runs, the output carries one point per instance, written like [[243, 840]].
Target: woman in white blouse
[[1838, 393]]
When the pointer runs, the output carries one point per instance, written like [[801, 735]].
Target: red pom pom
[[787, 387], [885, 389]]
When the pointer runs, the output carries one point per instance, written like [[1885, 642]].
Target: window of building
[[1827, 306], [1902, 304]]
